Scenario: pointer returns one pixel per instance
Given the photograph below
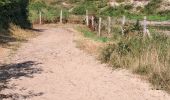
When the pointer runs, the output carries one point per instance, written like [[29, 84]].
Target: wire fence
[[104, 24]]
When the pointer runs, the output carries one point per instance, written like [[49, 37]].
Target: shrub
[[145, 56], [14, 11], [106, 53]]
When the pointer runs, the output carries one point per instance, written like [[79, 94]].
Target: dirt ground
[[50, 67], [3, 54]]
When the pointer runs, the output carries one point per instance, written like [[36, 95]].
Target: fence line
[[107, 24], [123, 19]]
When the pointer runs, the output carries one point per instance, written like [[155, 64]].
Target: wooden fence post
[[144, 26], [123, 23], [145, 30], [61, 17], [40, 17], [92, 20], [109, 25], [123, 20], [100, 20], [87, 18]]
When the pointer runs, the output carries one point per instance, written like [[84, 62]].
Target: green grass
[[149, 17], [96, 7], [138, 16], [165, 28], [126, 10], [92, 35], [50, 13]]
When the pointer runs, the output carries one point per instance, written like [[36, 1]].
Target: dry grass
[[89, 46], [148, 57], [21, 34], [85, 43], [13, 42]]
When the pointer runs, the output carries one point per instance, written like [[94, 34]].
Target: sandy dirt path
[[50, 67]]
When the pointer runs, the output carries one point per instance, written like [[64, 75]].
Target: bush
[[14, 11], [106, 53]]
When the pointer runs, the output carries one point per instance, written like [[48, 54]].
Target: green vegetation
[[50, 12], [13, 11], [93, 6], [123, 10], [98, 8], [92, 35], [16, 11], [152, 6], [163, 28], [143, 55]]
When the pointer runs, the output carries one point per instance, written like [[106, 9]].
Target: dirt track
[[50, 67]]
